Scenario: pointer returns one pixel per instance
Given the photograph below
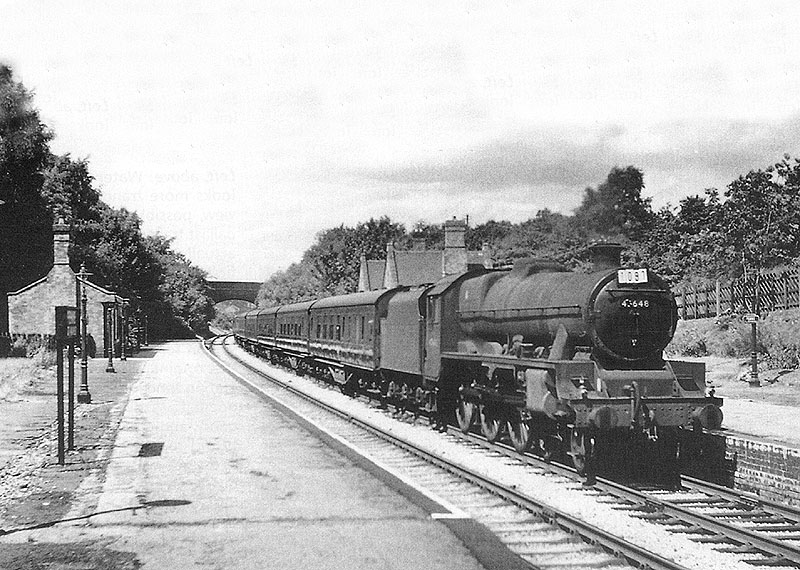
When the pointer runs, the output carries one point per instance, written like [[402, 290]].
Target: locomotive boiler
[[572, 362]]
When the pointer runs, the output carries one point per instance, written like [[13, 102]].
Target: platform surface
[[203, 474]]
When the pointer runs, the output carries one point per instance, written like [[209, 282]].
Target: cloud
[[574, 158], [537, 157], [725, 147]]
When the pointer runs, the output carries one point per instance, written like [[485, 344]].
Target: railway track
[[756, 532], [761, 532]]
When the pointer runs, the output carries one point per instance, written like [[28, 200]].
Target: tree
[[491, 232], [182, 302], [68, 190], [25, 221], [298, 283], [430, 235], [760, 218], [617, 209], [686, 244], [336, 255]]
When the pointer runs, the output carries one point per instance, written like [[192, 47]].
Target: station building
[[31, 310], [420, 266]]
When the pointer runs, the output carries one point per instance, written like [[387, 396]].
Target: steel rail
[[748, 499], [780, 550], [619, 547]]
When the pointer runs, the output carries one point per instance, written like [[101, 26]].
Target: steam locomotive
[[565, 363]]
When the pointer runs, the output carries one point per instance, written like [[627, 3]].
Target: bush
[[778, 333], [778, 340], [40, 348], [688, 342]]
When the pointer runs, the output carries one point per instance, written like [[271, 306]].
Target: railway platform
[[201, 473]]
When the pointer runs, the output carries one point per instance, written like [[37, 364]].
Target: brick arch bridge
[[234, 290]]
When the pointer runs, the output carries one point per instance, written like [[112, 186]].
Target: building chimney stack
[[390, 277], [455, 249], [60, 243]]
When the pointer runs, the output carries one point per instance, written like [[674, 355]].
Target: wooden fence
[[777, 290]]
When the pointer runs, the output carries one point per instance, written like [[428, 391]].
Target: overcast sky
[[244, 128]]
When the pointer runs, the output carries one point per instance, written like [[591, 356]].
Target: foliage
[[754, 225], [428, 236], [225, 312], [761, 217], [68, 190], [729, 336], [183, 298], [299, 282], [617, 209], [491, 232], [24, 218], [335, 257]]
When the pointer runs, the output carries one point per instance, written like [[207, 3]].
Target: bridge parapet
[[230, 290]]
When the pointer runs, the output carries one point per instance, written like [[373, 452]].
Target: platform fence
[[777, 290]]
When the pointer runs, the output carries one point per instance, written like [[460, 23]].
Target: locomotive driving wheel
[[491, 426], [520, 430], [465, 414]]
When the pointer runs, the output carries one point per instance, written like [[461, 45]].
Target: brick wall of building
[[31, 311]]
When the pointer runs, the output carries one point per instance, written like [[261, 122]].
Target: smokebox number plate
[[632, 276]]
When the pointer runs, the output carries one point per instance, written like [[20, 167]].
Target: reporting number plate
[[632, 276]]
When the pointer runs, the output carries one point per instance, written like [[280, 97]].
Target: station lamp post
[[84, 397], [108, 317], [124, 333]]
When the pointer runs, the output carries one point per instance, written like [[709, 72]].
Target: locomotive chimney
[[454, 260], [606, 255]]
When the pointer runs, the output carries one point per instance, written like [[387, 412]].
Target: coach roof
[[353, 299], [295, 307]]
